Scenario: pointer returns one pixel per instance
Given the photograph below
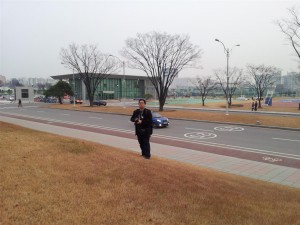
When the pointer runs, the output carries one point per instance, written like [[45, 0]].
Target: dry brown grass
[[48, 179], [277, 106], [267, 120]]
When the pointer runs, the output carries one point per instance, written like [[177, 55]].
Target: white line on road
[[188, 128], [64, 114], [285, 139], [98, 118]]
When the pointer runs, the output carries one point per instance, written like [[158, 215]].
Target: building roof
[[76, 75]]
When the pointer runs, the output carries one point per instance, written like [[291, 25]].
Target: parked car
[[99, 102], [159, 121], [50, 100], [77, 101]]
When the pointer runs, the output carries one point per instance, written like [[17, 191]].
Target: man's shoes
[[147, 157]]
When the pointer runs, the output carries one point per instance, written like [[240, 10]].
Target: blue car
[[159, 121]]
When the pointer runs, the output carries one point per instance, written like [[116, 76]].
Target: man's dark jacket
[[146, 117]]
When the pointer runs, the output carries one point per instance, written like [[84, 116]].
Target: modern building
[[2, 79], [26, 94], [115, 86], [35, 81], [291, 83]]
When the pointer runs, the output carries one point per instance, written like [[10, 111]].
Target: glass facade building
[[114, 87]]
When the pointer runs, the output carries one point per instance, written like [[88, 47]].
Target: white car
[[242, 98]]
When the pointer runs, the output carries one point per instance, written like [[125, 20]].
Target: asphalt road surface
[[255, 143]]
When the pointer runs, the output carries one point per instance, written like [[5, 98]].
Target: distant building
[[35, 81], [114, 87], [24, 93], [291, 83], [2, 79]]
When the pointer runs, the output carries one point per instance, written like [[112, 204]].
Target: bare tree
[[90, 64], [262, 77], [41, 86], [204, 85], [15, 83], [290, 27], [161, 56], [234, 80]]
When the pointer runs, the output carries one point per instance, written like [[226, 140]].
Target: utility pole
[[226, 50]]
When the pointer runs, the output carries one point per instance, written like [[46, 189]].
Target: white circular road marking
[[200, 135], [229, 128]]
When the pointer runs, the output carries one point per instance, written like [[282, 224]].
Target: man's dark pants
[[144, 141]]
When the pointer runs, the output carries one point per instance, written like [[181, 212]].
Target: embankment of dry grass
[[277, 106], [48, 179]]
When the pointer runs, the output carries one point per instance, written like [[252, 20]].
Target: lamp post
[[123, 65], [73, 88], [226, 50]]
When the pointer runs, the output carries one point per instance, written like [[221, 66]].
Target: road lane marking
[[98, 118], [282, 139], [200, 135], [229, 128], [188, 128], [65, 114]]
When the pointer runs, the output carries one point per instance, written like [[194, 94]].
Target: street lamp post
[[73, 88], [226, 50]]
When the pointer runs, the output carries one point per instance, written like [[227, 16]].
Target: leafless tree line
[[258, 77], [162, 56]]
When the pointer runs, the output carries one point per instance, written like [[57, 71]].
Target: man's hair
[[141, 99]]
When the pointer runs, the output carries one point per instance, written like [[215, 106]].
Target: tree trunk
[[161, 103], [161, 107], [259, 103]]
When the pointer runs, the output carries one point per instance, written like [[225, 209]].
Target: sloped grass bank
[[48, 179]]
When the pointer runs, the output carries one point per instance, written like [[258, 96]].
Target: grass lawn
[[49, 179]]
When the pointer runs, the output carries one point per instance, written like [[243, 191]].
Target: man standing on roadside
[[20, 103], [142, 119], [255, 106]]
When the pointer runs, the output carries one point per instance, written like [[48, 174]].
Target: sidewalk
[[257, 170]]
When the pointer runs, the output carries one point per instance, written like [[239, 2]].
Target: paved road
[[274, 146]]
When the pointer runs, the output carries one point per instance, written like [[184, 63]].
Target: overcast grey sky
[[33, 32]]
